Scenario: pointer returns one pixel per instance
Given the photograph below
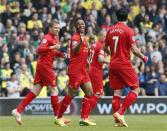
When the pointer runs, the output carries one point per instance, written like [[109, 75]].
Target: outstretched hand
[[145, 59], [53, 47]]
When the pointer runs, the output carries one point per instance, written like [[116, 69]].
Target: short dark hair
[[13, 73], [122, 14], [77, 19], [55, 21]]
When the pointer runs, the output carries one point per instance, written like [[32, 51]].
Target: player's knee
[[98, 95], [137, 90], [117, 92], [89, 93], [54, 91], [36, 89], [72, 92]]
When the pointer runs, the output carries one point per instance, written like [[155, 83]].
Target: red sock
[[129, 99], [64, 104], [86, 105], [55, 104], [94, 100], [116, 103], [28, 98]]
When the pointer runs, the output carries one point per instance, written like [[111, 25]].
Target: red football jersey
[[46, 56], [78, 61], [96, 52], [120, 38]]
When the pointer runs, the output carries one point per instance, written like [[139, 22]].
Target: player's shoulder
[[75, 37], [111, 27], [93, 46], [99, 44], [47, 37], [129, 30]]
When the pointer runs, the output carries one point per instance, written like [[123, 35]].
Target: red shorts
[[45, 76], [119, 78], [75, 79], [96, 78]]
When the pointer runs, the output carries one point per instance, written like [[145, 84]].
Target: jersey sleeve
[[131, 37], [43, 47], [59, 54], [75, 41], [107, 39], [101, 56]]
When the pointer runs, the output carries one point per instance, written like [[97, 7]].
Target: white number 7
[[115, 38]]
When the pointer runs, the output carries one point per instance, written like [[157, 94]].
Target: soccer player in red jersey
[[78, 75], [96, 60], [44, 75], [120, 40]]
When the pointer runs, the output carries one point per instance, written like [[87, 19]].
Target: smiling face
[[80, 26], [55, 28]]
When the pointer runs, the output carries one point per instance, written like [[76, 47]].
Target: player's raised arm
[[101, 59], [43, 47], [60, 54], [76, 46], [80, 28], [47, 44], [137, 53], [105, 46]]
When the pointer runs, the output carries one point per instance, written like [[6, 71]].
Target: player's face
[[80, 26], [55, 29], [102, 37]]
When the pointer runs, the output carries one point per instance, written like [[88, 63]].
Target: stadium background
[[24, 22]]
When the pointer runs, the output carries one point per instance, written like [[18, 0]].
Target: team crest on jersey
[[44, 41], [54, 82], [133, 38], [101, 52]]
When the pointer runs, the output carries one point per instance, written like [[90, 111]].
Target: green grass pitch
[[104, 123]]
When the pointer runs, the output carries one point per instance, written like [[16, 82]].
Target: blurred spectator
[[139, 38], [60, 64], [140, 17], [25, 80], [151, 78], [155, 55], [146, 24], [14, 6], [32, 64], [22, 34], [102, 16], [62, 82], [13, 87], [134, 10], [10, 27], [161, 85], [5, 77], [5, 54], [34, 23]]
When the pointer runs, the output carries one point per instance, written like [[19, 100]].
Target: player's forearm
[[76, 49], [137, 52], [60, 54], [106, 62], [106, 50], [42, 50]]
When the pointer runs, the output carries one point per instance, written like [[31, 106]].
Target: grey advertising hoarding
[[42, 106]]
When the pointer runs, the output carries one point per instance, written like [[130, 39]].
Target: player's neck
[[52, 34], [81, 33], [123, 22]]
